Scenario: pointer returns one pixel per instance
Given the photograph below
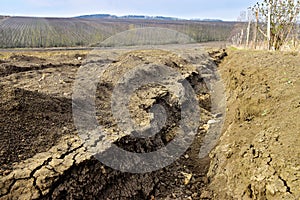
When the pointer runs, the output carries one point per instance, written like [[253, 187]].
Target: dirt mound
[[26, 58], [258, 156]]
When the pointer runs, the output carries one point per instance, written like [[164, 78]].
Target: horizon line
[[119, 16]]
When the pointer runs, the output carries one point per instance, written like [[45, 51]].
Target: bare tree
[[280, 17], [255, 29]]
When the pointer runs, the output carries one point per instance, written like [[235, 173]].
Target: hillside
[[30, 32]]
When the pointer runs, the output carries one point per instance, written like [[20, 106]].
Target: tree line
[[271, 24]]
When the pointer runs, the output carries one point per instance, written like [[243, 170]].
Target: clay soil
[[257, 157]]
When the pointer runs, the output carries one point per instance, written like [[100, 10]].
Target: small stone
[[187, 178], [229, 153], [271, 189], [213, 121], [218, 115], [103, 170], [206, 127]]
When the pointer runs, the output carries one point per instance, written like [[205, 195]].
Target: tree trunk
[[255, 29]]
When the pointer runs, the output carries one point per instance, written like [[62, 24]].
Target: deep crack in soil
[[39, 158]]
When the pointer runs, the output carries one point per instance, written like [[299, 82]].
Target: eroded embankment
[[258, 156]]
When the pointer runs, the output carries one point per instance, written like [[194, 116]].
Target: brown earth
[[35, 104], [43, 158], [258, 156]]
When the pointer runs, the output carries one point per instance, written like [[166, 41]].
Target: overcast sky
[[203, 9]]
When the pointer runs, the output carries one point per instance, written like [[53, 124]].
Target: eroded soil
[[257, 156], [42, 156]]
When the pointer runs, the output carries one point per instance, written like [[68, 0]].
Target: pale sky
[[188, 9]]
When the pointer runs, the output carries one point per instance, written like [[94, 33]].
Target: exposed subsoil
[[41, 156]]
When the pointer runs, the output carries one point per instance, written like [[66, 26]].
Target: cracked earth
[[42, 156], [257, 156]]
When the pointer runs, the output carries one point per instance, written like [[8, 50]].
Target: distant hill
[[108, 16], [101, 16], [31, 32], [208, 20]]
